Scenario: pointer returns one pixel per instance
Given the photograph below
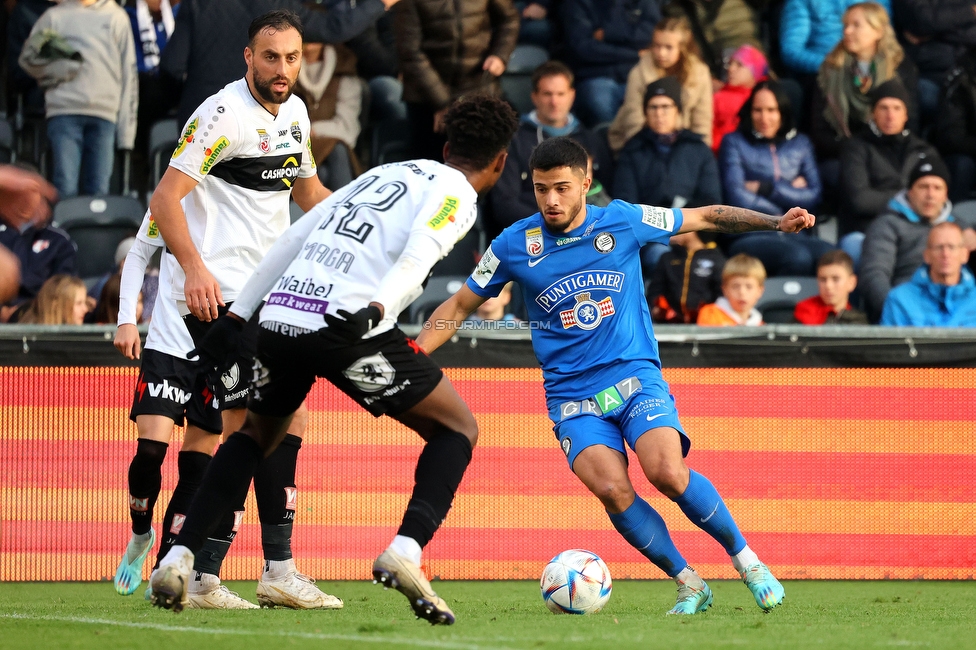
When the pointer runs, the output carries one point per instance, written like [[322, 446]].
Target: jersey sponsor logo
[[212, 153], [371, 374], [165, 390], [534, 244], [138, 505], [152, 230], [298, 303], [264, 141], [230, 378], [291, 498], [586, 314], [604, 242], [287, 173], [40, 245], [537, 260], [569, 285], [282, 145], [296, 132], [311, 158], [260, 173], [660, 218], [609, 399], [177, 524], [306, 287], [187, 136], [563, 241], [485, 269], [445, 214]]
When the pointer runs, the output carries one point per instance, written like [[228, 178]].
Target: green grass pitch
[[498, 615]]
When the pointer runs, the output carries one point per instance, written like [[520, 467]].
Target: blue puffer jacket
[[809, 29], [922, 303], [774, 163]]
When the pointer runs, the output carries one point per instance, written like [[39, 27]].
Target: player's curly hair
[[479, 127]]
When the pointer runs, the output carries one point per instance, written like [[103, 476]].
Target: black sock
[[439, 471], [210, 558], [145, 480], [192, 466], [224, 486], [274, 488]]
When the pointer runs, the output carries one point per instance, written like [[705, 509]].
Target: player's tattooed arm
[[731, 219]]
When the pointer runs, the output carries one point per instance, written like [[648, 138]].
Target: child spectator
[[746, 68], [672, 53], [62, 300], [836, 281], [687, 277], [107, 311], [743, 281]]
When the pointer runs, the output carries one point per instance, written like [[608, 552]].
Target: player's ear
[[447, 151], [499, 164]]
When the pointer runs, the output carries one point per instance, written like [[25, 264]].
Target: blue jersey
[[584, 292]]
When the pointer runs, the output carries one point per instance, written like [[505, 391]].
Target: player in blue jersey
[[579, 269]]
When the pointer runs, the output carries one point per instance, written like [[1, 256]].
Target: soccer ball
[[575, 582]]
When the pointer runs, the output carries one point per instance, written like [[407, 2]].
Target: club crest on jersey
[[40, 245], [230, 378], [533, 242], [264, 141], [371, 374], [604, 242], [296, 132], [567, 445], [586, 314]]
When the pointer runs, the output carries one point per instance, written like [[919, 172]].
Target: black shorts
[[387, 374], [175, 387], [232, 389]]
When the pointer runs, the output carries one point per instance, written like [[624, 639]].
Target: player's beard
[[263, 86], [570, 214]]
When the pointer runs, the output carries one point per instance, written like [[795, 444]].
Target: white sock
[[277, 568], [408, 547], [744, 559], [690, 578], [176, 555]]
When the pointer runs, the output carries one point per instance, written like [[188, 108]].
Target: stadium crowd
[[863, 113]]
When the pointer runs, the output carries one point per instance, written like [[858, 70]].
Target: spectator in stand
[[664, 164], [836, 281], [535, 28], [746, 68], [448, 49], [876, 163], [942, 292], [22, 18], [867, 56], [767, 166], [934, 33], [513, 197], [688, 276], [743, 280], [955, 129], [809, 29], [107, 311], [894, 245], [720, 27], [603, 40], [328, 84], [494, 309], [83, 55], [672, 53], [204, 53], [40, 250], [377, 63], [62, 300]]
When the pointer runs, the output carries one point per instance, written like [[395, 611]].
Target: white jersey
[[359, 235], [245, 161]]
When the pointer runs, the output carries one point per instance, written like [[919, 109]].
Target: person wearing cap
[[875, 164], [942, 292], [746, 68], [894, 244], [664, 164]]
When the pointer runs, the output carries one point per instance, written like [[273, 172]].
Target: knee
[[616, 496], [671, 480], [469, 429]]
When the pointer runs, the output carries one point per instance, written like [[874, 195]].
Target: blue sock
[[643, 527], [702, 504]]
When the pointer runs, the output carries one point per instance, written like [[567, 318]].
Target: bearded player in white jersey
[[338, 279], [218, 209]]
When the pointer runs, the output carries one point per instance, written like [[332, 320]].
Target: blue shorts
[[629, 415]]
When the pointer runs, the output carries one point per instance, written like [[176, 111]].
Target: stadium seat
[[391, 142], [97, 225], [163, 136], [781, 295], [516, 82], [439, 288], [965, 210]]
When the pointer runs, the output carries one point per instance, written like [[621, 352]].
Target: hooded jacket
[[647, 173], [923, 303]]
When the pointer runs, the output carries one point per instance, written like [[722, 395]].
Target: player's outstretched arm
[[447, 318], [201, 289], [726, 218]]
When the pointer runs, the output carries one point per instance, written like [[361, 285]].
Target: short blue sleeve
[[493, 271], [650, 223]]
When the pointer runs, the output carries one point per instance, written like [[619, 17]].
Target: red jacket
[[727, 103]]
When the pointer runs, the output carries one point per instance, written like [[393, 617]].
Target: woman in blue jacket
[[767, 166]]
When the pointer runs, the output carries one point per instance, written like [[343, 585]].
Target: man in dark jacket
[[875, 164], [603, 40], [955, 128], [894, 244], [513, 196], [448, 49], [205, 56]]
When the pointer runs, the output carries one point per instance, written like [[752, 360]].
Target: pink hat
[[752, 58]]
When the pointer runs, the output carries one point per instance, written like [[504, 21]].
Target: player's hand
[[351, 327], [202, 294], [218, 349], [796, 220], [127, 341]]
